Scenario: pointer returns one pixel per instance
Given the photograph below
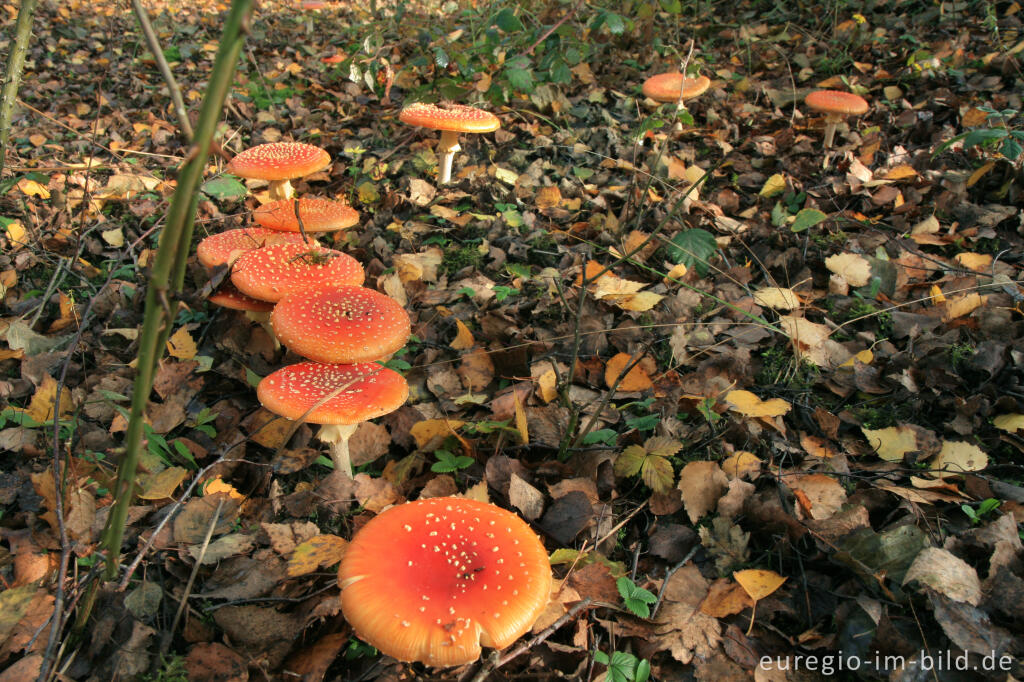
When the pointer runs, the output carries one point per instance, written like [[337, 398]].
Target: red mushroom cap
[[318, 215], [368, 390], [225, 247], [273, 271], [227, 296], [279, 161], [837, 102], [455, 117], [433, 580], [665, 87], [341, 324]]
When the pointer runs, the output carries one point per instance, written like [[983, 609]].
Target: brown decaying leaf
[[319, 551], [945, 573], [638, 378], [701, 484]]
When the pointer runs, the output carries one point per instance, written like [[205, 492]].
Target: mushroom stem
[[831, 121], [281, 189], [447, 147], [337, 435], [263, 319]]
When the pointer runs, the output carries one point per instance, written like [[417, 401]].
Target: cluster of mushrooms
[[459, 574]]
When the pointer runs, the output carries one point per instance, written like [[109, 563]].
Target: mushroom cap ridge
[[341, 323], [279, 161], [454, 117], [368, 390], [434, 579], [837, 102]]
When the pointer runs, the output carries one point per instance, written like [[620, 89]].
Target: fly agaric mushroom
[[450, 119], [338, 396], [433, 580], [836, 105], [674, 87], [224, 248], [279, 269], [279, 162], [318, 215], [341, 324]]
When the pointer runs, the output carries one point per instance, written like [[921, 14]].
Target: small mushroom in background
[[436, 579], [338, 396], [280, 163], [674, 87], [450, 119], [836, 105]]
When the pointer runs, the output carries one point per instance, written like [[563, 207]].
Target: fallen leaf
[[758, 583], [945, 573], [320, 551], [855, 269], [777, 298], [463, 337], [637, 379], [701, 484], [957, 457], [180, 345], [749, 405], [162, 485], [425, 431]]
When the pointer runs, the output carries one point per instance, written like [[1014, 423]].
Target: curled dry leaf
[[749, 405], [777, 298], [855, 269], [463, 337]]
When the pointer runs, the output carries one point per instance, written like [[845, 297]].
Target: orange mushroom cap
[[665, 87], [318, 215], [433, 580], [227, 296], [341, 323], [837, 102], [225, 247], [279, 161], [454, 117], [273, 271], [368, 390]]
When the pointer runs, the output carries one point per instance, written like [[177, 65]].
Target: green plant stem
[[168, 274], [12, 77], [165, 69]]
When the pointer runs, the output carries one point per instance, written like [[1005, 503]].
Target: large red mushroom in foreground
[[434, 580]]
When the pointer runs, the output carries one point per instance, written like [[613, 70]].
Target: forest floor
[[783, 429]]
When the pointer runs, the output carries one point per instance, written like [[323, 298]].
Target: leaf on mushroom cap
[[279, 161], [341, 324], [367, 390], [837, 102], [273, 271], [227, 296], [665, 87], [433, 580], [225, 247], [455, 117], [318, 215]]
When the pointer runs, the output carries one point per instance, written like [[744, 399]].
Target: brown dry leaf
[[548, 197], [562, 595], [979, 262], [749, 405], [681, 627], [817, 447], [476, 370], [547, 382], [162, 485], [818, 496], [742, 464], [524, 497], [637, 379], [375, 494], [268, 429], [222, 548], [463, 337], [209, 661], [425, 431], [14, 604], [476, 492], [80, 515], [180, 345], [701, 484], [522, 425], [725, 598], [947, 574], [777, 298], [853, 268], [621, 292], [956, 457], [413, 267], [193, 521], [320, 551], [759, 583], [812, 341]]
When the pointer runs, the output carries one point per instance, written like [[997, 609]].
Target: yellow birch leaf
[[892, 442], [864, 357], [17, 235], [162, 485], [742, 464], [758, 583], [936, 295], [979, 262], [463, 337], [964, 305], [181, 345], [637, 379], [548, 197], [32, 188], [957, 457], [677, 272], [772, 186], [40, 408], [855, 269], [749, 405], [319, 551], [218, 485], [777, 298], [645, 300], [901, 172], [425, 431], [548, 385], [1009, 422]]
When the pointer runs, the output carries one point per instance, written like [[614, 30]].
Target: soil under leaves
[[804, 441]]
